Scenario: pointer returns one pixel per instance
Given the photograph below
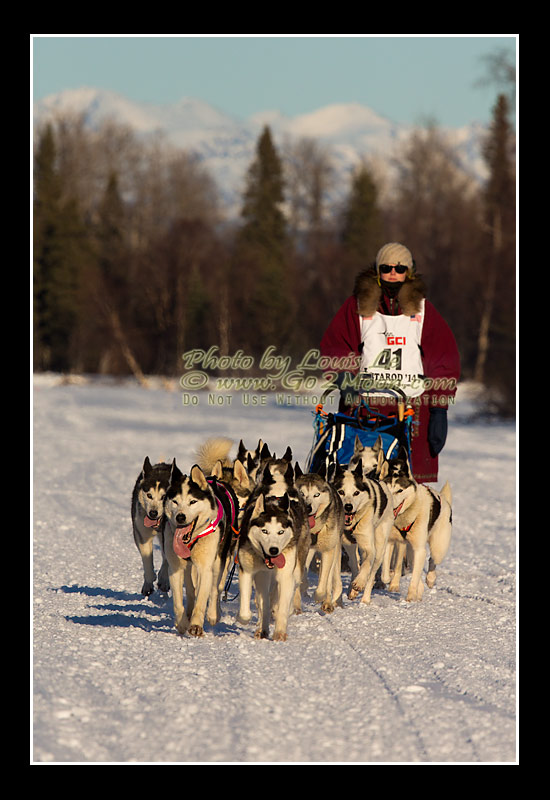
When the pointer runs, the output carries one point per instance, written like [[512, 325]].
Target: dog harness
[[182, 542], [402, 531]]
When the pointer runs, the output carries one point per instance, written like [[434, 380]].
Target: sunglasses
[[385, 269]]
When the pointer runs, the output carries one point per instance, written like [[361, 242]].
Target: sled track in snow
[[360, 656]]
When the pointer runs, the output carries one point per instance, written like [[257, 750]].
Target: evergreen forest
[[134, 263]]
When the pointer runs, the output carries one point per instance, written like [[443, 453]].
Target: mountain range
[[226, 144]]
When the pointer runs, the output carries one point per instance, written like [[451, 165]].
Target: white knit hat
[[394, 253]]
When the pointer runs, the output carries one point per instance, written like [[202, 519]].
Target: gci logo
[[391, 339]]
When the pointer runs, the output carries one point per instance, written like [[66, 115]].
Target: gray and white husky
[[368, 520], [147, 512], [326, 523], [423, 517], [197, 538], [272, 549]]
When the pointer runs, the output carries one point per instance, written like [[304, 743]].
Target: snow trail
[[393, 682]]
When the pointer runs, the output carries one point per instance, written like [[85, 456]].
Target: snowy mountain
[[225, 144]]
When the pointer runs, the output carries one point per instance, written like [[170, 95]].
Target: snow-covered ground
[[393, 682]]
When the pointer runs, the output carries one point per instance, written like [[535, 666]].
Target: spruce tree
[[496, 339], [362, 229], [59, 244], [263, 249]]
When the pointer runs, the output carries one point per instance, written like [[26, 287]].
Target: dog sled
[[335, 434]]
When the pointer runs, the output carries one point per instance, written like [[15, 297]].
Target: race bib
[[391, 356]]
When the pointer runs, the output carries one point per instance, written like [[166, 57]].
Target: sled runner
[[335, 434]]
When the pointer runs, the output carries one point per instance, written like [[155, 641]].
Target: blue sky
[[406, 78]]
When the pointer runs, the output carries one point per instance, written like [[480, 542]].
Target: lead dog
[[147, 511], [368, 519], [326, 522], [197, 539], [272, 550], [423, 517]]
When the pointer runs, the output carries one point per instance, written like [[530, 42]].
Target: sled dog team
[[268, 517]]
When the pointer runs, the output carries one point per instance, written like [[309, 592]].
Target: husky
[[272, 550], [326, 523], [423, 517], [371, 458], [147, 513], [277, 466], [197, 536], [368, 519], [213, 459], [251, 459]]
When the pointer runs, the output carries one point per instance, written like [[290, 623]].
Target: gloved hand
[[437, 430]]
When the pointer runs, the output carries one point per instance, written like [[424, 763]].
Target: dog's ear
[[289, 474], [241, 475], [146, 467], [297, 471], [175, 473], [358, 471], [288, 454], [381, 458], [403, 459], [322, 470], [264, 452], [284, 502], [259, 506], [339, 471], [197, 476], [217, 470], [267, 477], [241, 452], [358, 446]]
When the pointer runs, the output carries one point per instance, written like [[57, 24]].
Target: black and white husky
[[272, 549], [368, 520], [326, 523], [147, 519], [200, 515], [423, 517]]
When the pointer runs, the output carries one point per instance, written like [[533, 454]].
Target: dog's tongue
[[277, 561], [348, 519], [150, 523], [311, 521], [180, 548]]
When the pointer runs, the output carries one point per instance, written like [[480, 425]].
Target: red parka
[[440, 357]]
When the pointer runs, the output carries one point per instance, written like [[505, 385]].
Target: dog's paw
[[147, 589], [279, 636], [430, 579], [259, 634], [354, 591], [327, 606], [195, 630]]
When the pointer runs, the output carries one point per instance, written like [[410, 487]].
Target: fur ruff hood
[[368, 293]]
